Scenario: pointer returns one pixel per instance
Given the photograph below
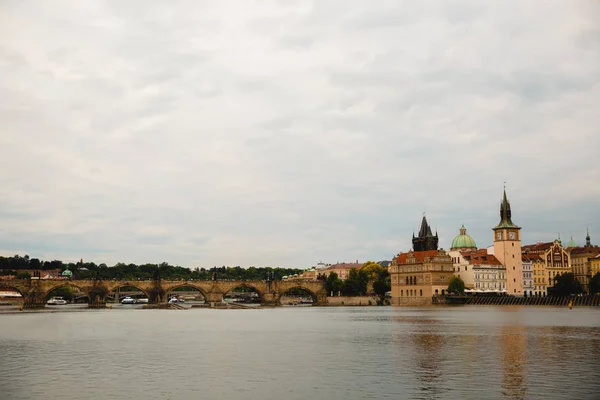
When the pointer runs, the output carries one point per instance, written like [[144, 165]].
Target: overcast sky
[[291, 132]]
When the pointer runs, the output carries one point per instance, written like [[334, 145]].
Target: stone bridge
[[35, 292]]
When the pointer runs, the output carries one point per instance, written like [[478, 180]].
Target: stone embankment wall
[[352, 300]]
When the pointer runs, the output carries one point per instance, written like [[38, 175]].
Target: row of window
[[411, 293]]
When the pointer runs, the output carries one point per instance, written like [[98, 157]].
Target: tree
[[356, 284], [456, 285], [565, 285], [380, 287], [373, 270], [595, 284], [23, 275], [333, 283]]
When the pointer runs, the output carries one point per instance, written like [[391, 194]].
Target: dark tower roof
[[426, 239], [505, 214], [425, 230]]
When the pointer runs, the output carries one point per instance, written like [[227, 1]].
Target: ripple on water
[[350, 353]]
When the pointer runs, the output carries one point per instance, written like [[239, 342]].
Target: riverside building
[[418, 275]]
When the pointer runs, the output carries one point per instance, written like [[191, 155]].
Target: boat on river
[[56, 301]]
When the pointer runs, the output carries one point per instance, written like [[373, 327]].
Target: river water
[[470, 352]]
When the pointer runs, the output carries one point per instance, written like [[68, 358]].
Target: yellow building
[[538, 268], [417, 276], [581, 261], [595, 266], [553, 260]]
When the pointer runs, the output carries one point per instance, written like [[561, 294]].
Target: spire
[[424, 227], [588, 242], [505, 213]]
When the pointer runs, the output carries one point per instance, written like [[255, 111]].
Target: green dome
[[67, 272], [571, 243], [463, 241]]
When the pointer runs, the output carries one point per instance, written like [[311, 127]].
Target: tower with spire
[[426, 239], [507, 248], [588, 241]]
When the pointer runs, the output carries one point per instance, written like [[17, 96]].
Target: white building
[[479, 270], [527, 276]]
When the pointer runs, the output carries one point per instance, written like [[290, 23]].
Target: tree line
[[90, 270]]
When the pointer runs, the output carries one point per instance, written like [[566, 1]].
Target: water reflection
[[298, 353], [513, 344]]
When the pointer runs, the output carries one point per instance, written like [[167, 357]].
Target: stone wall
[[352, 300], [412, 301]]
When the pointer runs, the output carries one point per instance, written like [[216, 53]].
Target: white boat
[[56, 301], [142, 301], [175, 300], [128, 300]]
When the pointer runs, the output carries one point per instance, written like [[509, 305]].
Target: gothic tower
[[507, 249], [426, 240]]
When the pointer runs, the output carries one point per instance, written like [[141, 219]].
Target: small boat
[[175, 300], [142, 301], [128, 300], [56, 301]]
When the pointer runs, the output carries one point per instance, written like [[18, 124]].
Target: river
[[469, 352]]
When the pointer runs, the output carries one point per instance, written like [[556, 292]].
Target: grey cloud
[[281, 134]]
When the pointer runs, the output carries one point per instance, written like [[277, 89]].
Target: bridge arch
[[173, 289], [246, 288], [14, 288], [118, 287], [66, 284], [298, 290]]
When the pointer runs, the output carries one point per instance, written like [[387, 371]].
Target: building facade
[[341, 269], [538, 269], [527, 275], [548, 258], [507, 249], [417, 276], [580, 261]]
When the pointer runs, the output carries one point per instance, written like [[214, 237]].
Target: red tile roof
[[593, 250], [530, 257], [538, 247], [419, 255], [479, 258], [345, 266]]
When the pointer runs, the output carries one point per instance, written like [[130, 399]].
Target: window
[[402, 293], [421, 292]]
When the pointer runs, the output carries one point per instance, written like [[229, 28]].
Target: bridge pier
[[97, 296], [321, 299], [33, 300], [270, 299], [157, 295], [213, 298]]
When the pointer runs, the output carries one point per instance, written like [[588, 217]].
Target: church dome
[[571, 243], [463, 241], [67, 273]]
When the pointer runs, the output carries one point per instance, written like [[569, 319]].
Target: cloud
[[284, 133]]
